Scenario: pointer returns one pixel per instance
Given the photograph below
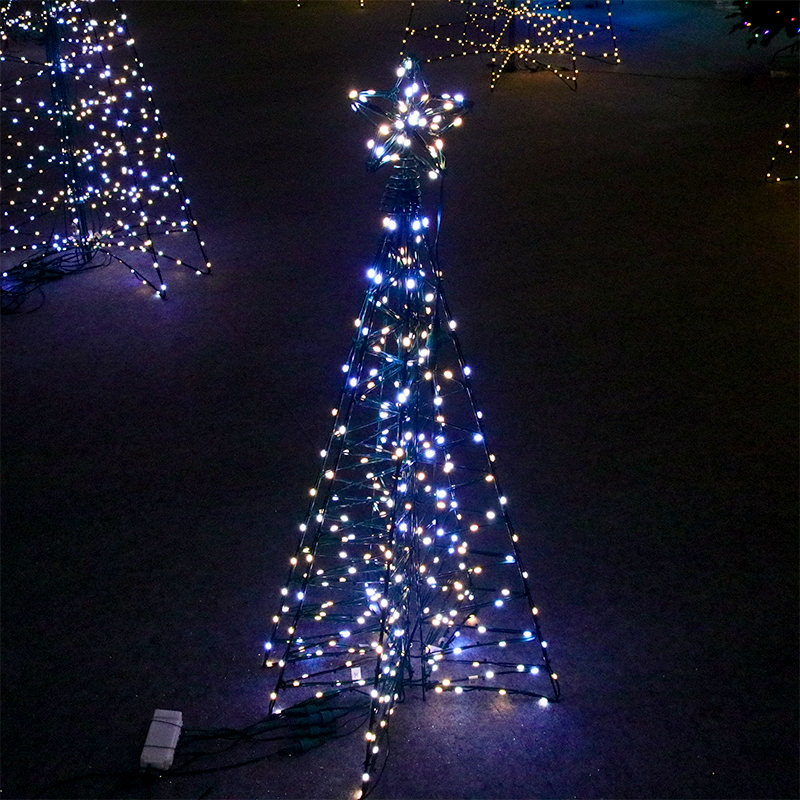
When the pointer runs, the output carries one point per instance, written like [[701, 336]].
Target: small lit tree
[[407, 570]]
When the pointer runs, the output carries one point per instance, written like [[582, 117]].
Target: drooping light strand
[[88, 171], [407, 570]]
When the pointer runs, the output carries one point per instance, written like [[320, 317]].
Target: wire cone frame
[[408, 570], [88, 175]]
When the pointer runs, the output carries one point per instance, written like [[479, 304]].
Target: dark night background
[[626, 288]]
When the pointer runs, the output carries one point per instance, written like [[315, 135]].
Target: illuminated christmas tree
[[535, 34], [88, 175], [407, 570]]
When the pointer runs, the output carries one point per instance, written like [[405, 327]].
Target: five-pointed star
[[409, 119]]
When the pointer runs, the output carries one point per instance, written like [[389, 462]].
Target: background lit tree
[[89, 178]]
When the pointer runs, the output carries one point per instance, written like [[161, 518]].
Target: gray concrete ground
[[626, 287]]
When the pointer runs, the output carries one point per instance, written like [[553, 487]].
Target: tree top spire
[[409, 120]]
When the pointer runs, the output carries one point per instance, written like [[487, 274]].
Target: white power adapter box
[[159, 747]]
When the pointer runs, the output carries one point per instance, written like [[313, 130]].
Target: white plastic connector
[[159, 747]]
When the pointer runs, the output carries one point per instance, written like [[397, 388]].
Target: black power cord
[[21, 281], [294, 731]]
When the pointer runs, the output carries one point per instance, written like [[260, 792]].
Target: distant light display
[[407, 570], [536, 34], [301, 3], [88, 175]]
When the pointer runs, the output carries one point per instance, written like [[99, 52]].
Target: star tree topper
[[409, 120]]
